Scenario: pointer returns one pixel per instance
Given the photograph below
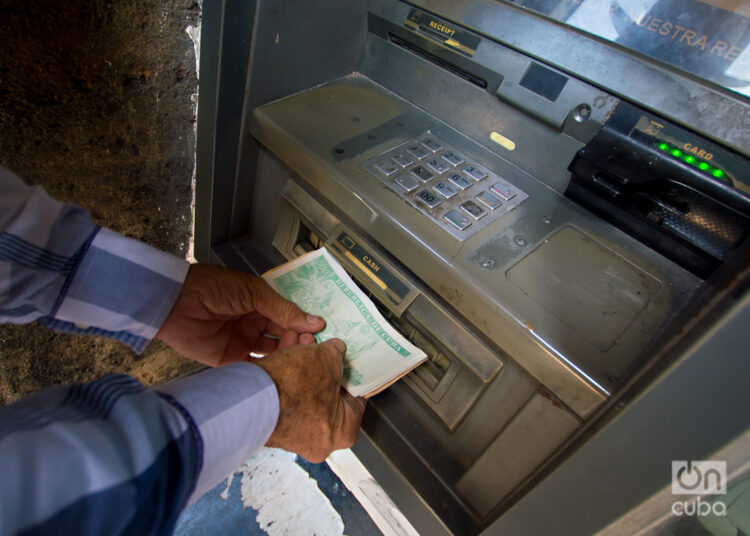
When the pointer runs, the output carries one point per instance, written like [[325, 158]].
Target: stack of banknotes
[[376, 353]]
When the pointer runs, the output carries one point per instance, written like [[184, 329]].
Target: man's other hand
[[222, 315], [316, 416]]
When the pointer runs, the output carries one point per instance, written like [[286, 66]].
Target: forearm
[[108, 457], [112, 457], [235, 408], [57, 267]]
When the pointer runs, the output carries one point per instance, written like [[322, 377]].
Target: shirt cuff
[[235, 408], [121, 288]]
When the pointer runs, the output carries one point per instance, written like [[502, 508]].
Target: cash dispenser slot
[[462, 413], [459, 364]]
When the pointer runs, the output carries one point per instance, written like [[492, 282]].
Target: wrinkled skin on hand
[[317, 416], [222, 315]]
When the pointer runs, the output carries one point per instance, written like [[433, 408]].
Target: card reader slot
[[636, 178]]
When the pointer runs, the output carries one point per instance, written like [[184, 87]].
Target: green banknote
[[376, 354]]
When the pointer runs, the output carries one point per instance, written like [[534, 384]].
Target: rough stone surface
[[96, 105]]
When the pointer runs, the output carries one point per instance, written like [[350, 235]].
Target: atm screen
[[707, 38]]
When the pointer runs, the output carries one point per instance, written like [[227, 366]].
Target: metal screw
[[488, 263], [519, 240], [547, 219], [582, 112]]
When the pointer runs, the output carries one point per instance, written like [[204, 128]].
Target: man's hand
[[316, 416], [222, 315]]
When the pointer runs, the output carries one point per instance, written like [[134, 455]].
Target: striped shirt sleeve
[[108, 457], [57, 267], [112, 457]]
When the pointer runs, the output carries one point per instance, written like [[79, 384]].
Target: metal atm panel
[[525, 221], [487, 257]]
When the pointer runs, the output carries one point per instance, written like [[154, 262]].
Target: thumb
[[283, 312], [333, 351]]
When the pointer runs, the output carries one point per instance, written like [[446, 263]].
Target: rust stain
[[549, 396]]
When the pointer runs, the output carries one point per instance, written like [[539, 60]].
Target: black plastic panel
[[640, 174], [543, 81]]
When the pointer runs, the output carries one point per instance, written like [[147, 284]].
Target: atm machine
[[550, 197]]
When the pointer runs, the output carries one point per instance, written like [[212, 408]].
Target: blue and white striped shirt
[[110, 456]]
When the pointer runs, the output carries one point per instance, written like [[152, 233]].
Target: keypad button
[[407, 182], [417, 151], [460, 181], [474, 210], [387, 167], [440, 181], [445, 189], [491, 200], [475, 172], [503, 190], [402, 160], [432, 144], [422, 173], [458, 220], [438, 165], [453, 158], [428, 198]]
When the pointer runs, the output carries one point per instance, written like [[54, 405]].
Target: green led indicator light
[[703, 166]]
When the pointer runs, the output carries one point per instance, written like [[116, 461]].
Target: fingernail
[[339, 344], [312, 319]]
